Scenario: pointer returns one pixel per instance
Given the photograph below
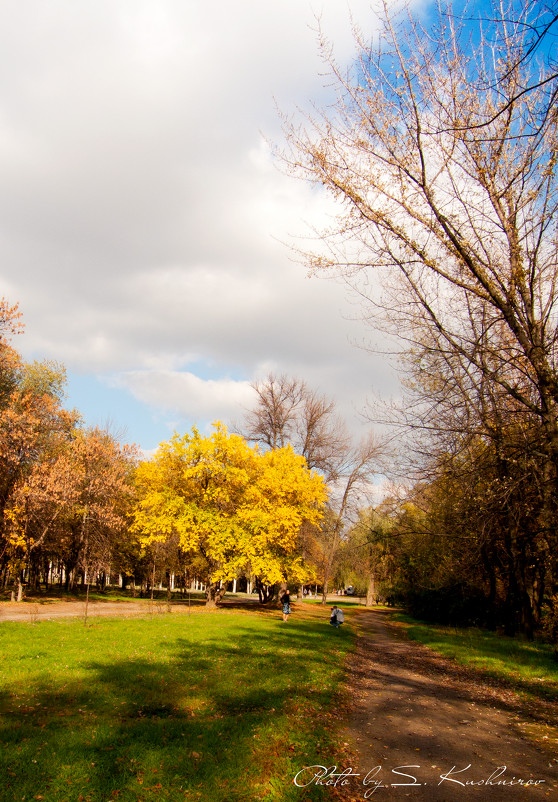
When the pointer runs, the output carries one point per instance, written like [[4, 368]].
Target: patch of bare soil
[[422, 727]]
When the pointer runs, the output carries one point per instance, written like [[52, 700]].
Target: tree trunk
[[213, 594], [169, 591], [152, 586], [325, 587], [86, 605], [371, 591]]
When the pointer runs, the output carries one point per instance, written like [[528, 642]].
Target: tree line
[[79, 508]]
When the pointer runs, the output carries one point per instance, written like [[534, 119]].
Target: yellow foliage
[[238, 507]]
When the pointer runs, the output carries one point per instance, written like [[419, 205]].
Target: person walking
[[286, 602]]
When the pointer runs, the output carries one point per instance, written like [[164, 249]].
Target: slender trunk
[[371, 591], [86, 605], [325, 587], [152, 585], [169, 592]]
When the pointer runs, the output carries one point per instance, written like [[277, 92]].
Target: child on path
[[286, 602], [337, 617]]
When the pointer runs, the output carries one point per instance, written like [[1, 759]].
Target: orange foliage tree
[[64, 491]]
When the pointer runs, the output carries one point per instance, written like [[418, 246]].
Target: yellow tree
[[285, 496], [237, 508]]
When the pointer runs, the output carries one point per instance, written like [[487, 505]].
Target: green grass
[[527, 666], [343, 601], [110, 594], [212, 706]]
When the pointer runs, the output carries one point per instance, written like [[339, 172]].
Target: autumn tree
[[444, 170], [10, 325], [368, 556], [33, 424], [353, 485], [239, 509], [97, 475], [72, 505], [65, 490]]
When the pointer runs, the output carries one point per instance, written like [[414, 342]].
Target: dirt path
[[41, 611], [413, 708], [44, 609]]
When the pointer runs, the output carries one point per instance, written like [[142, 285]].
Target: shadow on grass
[[182, 722], [510, 662]]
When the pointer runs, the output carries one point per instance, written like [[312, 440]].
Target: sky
[[145, 225]]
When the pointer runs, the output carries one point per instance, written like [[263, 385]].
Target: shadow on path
[[412, 708]]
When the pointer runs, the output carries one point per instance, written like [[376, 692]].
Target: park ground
[[425, 726], [235, 705]]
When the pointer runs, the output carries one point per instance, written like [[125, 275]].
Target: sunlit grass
[[111, 594], [220, 706], [527, 666]]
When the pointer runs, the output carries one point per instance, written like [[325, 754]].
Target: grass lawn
[[212, 706], [527, 666]]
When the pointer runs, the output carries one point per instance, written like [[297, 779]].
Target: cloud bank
[[141, 214]]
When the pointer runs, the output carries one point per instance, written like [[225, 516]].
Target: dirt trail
[[41, 611], [411, 707]]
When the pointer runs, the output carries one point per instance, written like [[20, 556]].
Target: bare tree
[[271, 421], [352, 486], [534, 28], [445, 173], [288, 412]]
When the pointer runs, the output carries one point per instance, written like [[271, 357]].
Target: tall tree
[[72, 504], [33, 424], [445, 173], [239, 509], [288, 411]]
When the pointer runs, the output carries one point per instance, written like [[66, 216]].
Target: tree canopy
[[239, 509]]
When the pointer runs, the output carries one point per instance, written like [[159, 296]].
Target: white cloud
[[141, 215], [187, 395]]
